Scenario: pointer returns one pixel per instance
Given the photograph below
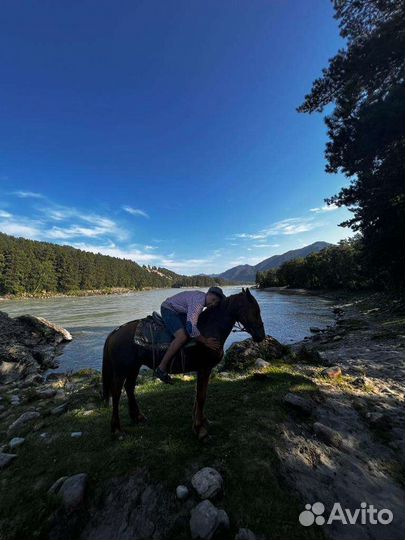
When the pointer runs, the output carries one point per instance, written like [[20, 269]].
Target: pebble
[[60, 409], [53, 490], [76, 434], [182, 492], [46, 393], [207, 482], [6, 459], [23, 420], [245, 534], [15, 442]]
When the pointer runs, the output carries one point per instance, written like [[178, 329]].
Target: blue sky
[[166, 132]]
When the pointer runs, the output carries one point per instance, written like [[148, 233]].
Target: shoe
[[163, 376]]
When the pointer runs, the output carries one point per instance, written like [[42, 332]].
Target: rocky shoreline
[[340, 440]]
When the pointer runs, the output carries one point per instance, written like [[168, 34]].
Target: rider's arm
[[193, 312]]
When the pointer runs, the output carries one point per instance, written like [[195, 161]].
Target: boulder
[[207, 482], [332, 372], [53, 490], [261, 364], [59, 410], [328, 435], [204, 521], [242, 355], [22, 421], [224, 522], [299, 403], [72, 492]]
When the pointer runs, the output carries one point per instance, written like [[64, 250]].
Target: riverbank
[[285, 432], [79, 293]]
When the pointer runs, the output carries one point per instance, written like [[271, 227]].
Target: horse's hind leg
[[134, 411], [117, 384]]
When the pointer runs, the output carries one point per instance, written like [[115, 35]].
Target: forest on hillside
[[28, 266], [335, 267]]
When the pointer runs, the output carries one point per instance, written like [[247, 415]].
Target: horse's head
[[249, 315]]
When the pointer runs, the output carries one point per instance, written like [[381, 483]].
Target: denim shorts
[[173, 321]]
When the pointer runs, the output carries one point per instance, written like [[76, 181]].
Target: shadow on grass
[[245, 414]]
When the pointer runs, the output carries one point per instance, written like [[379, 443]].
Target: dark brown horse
[[122, 358]]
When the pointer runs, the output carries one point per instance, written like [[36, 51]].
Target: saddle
[[152, 333]]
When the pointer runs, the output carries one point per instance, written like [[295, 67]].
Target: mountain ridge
[[247, 272]]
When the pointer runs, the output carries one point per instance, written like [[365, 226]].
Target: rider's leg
[[180, 338]]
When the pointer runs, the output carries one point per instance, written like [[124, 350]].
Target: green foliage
[[30, 267], [336, 267], [365, 82]]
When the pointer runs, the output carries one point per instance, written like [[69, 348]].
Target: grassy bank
[[245, 411]]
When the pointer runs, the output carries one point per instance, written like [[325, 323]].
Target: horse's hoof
[[139, 419], [202, 433]]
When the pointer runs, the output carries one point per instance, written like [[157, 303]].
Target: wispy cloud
[[21, 227], [265, 245], [323, 209], [4, 214], [285, 227], [135, 211], [28, 194]]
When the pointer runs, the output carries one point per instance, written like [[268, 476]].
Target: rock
[[15, 442], [76, 434], [207, 482], [53, 490], [6, 459], [328, 435], [361, 382], [46, 393], [242, 355], [314, 329], [245, 534], [60, 409], [223, 517], [332, 372], [22, 421], [182, 492], [72, 492], [299, 403], [15, 400], [260, 363], [46, 328], [56, 377], [204, 520], [337, 338]]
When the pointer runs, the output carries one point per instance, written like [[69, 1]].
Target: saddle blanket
[[152, 332]]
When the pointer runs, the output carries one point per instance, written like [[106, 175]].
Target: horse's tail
[[107, 373]]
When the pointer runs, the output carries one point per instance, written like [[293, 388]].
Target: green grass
[[245, 412]]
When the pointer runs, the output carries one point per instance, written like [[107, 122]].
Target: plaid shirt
[[190, 302]]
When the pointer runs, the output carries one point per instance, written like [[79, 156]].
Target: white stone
[[15, 442], [76, 434], [182, 492], [260, 363]]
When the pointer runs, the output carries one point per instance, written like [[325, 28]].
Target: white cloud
[[284, 227], [15, 228], [4, 214], [265, 245], [28, 194], [135, 211], [326, 208]]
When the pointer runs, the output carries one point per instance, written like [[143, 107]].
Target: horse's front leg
[[200, 423]]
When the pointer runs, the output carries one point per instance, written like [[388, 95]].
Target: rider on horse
[[180, 314]]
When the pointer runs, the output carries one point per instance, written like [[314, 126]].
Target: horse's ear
[[249, 294], [243, 290]]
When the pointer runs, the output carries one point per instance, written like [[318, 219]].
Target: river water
[[287, 317]]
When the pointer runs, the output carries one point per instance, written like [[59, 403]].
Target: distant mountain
[[247, 273]]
